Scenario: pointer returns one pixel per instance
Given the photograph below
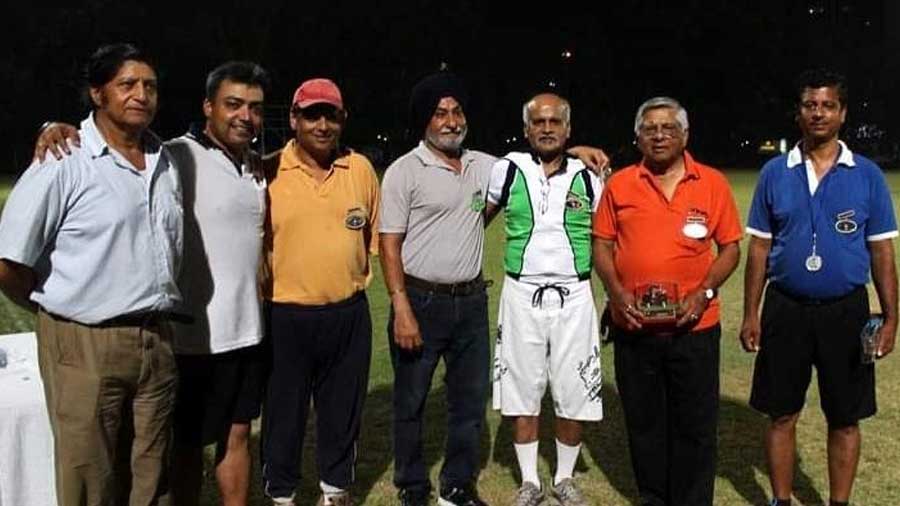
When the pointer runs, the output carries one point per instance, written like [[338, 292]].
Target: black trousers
[[320, 353], [669, 387]]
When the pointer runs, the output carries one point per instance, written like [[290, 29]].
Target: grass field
[[605, 468]]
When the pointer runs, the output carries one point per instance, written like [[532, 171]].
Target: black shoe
[[459, 496], [410, 497]]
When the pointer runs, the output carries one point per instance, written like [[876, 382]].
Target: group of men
[[143, 261]]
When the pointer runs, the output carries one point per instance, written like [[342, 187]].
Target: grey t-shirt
[[439, 210]]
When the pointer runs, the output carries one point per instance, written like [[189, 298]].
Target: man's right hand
[[750, 332], [624, 314], [406, 330], [55, 137]]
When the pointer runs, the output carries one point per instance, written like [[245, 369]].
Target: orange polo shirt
[[319, 235], [668, 241]]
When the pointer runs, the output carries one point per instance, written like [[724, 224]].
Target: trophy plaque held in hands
[[658, 303]]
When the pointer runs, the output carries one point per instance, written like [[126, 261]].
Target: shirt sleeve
[[759, 222], [395, 199], [33, 212], [374, 205], [605, 224], [728, 224], [882, 222], [597, 185], [497, 180]]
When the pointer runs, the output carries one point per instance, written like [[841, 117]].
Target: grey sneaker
[[529, 495], [342, 499], [568, 493]]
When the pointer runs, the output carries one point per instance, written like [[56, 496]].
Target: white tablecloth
[[26, 442]]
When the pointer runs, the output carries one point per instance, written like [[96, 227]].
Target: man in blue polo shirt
[[821, 217]]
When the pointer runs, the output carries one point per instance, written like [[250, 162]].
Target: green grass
[[604, 467]]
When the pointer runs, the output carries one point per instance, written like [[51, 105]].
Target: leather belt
[[451, 289], [146, 319]]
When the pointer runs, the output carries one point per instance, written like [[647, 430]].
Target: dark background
[[731, 63]]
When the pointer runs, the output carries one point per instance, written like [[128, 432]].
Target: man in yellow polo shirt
[[323, 209]]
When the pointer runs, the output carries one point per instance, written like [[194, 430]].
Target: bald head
[[545, 100], [547, 124]]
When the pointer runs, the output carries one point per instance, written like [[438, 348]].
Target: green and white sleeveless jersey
[[548, 220]]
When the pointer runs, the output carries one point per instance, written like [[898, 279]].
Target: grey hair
[[681, 115], [566, 109]]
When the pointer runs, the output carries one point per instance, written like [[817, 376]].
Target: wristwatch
[[710, 294]]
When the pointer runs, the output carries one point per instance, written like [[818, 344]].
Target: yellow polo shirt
[[319, 235]]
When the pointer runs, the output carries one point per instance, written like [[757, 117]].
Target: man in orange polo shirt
[[653, 238], [323, 208]]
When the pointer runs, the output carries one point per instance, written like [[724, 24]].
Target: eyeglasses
[[314, 112], [668, 130]]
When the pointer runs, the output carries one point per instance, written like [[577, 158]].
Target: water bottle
[[868, 339]]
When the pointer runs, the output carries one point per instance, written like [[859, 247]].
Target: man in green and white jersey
[[548, 326]]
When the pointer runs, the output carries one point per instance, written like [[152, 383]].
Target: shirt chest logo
[[695, 224], [574, 201], [477, 203], [844, 222], [356, 218]]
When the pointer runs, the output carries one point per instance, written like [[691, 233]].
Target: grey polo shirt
[[103, 240], [225, 210], [439, 211]]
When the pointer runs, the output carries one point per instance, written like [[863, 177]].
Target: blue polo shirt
[[848, 207]]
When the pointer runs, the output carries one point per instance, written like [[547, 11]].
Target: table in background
[[26, 442]]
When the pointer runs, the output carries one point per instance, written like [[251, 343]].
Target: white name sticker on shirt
[[695, 224]]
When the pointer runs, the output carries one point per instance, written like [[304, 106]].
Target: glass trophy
[[658, 303], [868, 339]]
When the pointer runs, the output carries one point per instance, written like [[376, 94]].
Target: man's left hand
[[594, 158], [692, 308], [886, 338]]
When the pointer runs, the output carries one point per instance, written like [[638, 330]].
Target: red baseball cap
[[318, 91]]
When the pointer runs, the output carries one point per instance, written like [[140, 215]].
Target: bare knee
[[785, 423]]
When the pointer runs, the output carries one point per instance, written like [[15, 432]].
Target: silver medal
[[813, 263]]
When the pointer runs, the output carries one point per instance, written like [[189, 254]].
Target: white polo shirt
[[225, 210]]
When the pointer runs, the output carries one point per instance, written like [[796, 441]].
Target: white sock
[[527, 455], [566, 456], [283, 500], [330, 490]]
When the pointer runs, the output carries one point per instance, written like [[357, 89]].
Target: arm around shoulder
[[17, 283]]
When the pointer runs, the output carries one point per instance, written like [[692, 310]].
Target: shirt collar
[[690, 167], [428, 157], [96, 144], [196, 131], [845, 156], [290, 161], [563, 165]]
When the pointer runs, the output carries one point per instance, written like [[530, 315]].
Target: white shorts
[[555, 339]]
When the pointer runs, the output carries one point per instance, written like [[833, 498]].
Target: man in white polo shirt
[[548, 329]]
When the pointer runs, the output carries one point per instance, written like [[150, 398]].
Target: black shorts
[[797, 334], [216, 391]]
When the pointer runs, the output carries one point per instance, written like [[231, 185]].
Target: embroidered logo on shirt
[[477, 204], [356, 218], [574, 201], [843, 222]]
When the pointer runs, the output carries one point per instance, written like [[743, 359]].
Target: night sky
[[732, 65]]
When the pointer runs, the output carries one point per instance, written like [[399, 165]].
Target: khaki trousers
[[110, 395]]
